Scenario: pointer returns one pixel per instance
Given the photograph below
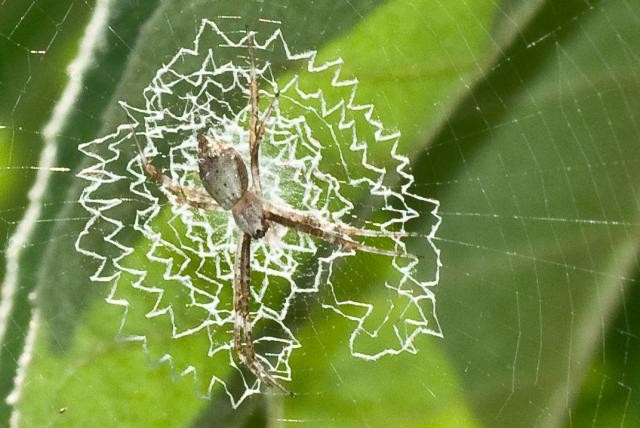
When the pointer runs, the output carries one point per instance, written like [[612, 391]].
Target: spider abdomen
[[224, 176], [222, 171]]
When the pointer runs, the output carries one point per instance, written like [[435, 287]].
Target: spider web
[[171, 262]]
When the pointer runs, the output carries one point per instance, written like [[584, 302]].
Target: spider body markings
[[225, 179]]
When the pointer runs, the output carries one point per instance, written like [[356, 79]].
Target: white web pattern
[[318, 156]]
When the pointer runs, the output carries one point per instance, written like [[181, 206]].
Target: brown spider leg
[[344, 229], [184, 194], [256, 126], [254, 98], [242, 337], [267, 114], [315, 227]]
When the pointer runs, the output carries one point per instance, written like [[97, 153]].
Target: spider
[[225, 179]]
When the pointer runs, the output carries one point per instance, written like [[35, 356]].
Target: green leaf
[[31, 110], [538, 223], [520, 117]]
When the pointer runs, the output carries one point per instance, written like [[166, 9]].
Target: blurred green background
[[521, 117]]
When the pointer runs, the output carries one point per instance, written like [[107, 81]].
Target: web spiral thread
[[171, 267]]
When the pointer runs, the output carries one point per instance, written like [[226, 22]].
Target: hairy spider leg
[[330, 232], [265, 117], [344, 229], [184, 194], [254, 99], [256, 125], [242, 337]]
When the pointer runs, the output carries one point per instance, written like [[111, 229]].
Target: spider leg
[[267, 114], [184, 194], [254, 98], [256, 125], [242, 337], [343, 229], [330, 232]]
